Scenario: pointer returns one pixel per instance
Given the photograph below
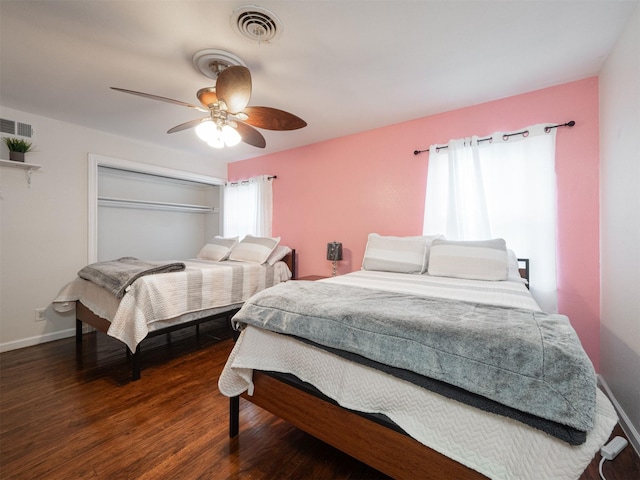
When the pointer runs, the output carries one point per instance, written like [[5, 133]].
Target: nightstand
[[311, 278]]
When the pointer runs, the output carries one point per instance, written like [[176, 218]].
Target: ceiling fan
[[229, 119]]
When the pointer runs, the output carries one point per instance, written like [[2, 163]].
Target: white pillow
[[278, 254], [254, 249], [395, 254], [514, 267], [218, 249], [429, 239], [476, 260]]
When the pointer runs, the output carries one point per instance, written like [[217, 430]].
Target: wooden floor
[[62, 418]]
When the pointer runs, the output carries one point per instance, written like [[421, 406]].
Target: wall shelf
[[27, 167]]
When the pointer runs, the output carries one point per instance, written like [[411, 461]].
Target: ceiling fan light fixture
[[218, 136], [227, 103], [231, 136], [217, 142], [206, 131]]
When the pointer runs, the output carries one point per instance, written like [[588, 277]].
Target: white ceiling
[[343, 66]]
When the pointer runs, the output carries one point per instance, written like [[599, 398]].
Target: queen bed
[[424, 373], [135, 300]]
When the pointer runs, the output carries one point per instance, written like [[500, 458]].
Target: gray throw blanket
[[117, 275], [529, 361]]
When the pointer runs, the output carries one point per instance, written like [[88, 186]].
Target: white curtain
[[504, 188], [248, 207]]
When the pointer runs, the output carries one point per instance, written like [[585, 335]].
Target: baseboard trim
[[31, 341], [625, 422]]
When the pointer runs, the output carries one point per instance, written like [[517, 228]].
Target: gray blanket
[[117, 275], [529, 361]]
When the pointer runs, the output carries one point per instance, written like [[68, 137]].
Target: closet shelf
[[147, 204]]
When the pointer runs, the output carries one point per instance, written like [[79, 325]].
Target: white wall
[[620, 225], [43, 229]]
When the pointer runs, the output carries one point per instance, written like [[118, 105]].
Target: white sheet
[[495, 446], [508, 293], [152, 299]]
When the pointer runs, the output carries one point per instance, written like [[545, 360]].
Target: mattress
[[158, 301]]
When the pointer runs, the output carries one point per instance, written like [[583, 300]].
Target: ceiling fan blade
[[273, 119], [162, 99], [233, 87], [250, 135], [187, 125]]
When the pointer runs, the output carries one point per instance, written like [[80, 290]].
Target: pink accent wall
[[345, 188]]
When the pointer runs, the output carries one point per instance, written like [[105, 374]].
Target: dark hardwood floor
[[62, 418]]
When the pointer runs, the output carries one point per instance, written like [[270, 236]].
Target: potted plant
[[17, 148]]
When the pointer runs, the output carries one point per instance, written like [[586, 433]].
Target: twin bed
[[446, 369], [133, 304]]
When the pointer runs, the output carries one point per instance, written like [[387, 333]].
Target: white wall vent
[[7, 126], [15, 128]]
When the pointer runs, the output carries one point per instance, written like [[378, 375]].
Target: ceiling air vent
[[15, 128], [256, 23]]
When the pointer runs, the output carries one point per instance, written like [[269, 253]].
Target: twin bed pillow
[[218, 249], [250, 249], [254, 249], [278, 254], [475, 260]]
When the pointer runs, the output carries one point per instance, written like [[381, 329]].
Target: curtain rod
[[507, 135], [243, 182]]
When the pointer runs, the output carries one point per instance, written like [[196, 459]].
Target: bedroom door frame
[[96, 161]]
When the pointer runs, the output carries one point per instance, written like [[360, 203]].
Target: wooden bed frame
[[85, 315], [374, 440]]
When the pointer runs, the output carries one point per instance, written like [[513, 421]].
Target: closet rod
[[507, 135], [154, 205], [243, 182]]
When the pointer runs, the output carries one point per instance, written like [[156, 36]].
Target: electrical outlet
[[40, 315]]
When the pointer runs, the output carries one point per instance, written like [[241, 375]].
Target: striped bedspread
[[151, 299]]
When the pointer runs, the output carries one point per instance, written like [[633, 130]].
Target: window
[[501, 188], [248, 207]]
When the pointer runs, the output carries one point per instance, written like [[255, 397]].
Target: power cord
[[600, 468], [611, 451]]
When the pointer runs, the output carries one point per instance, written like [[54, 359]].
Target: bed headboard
[[523, 268], [290, 260]]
